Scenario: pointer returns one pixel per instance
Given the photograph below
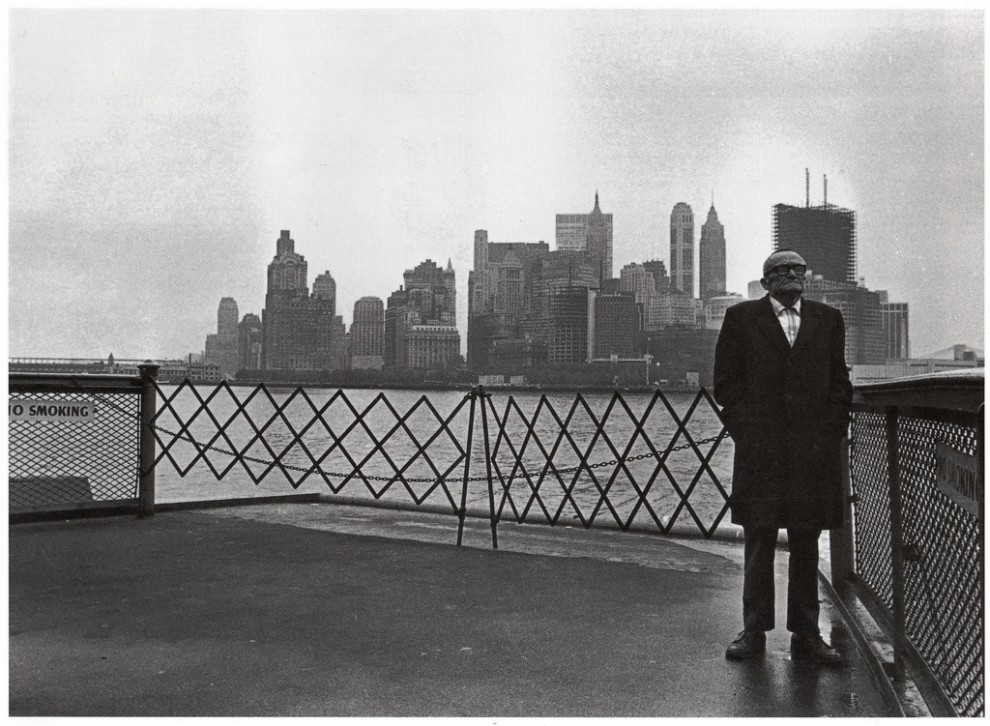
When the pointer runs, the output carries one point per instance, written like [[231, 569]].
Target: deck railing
[[553, 460], [631, 461], [914, 554], [913, 550]]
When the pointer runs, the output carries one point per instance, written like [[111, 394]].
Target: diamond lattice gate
[[611, 463], [590, 460], [413, 453]]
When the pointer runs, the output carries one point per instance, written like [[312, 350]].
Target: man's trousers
[[802, 580]]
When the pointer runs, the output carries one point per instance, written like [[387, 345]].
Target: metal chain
[[291, 467]]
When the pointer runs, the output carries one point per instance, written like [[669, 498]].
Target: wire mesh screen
[[942, 547], [870, 477], [66, 464], [943, 568]]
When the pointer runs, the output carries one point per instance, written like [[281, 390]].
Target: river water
[[376, 433]]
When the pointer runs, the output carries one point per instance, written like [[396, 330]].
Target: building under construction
[[825, 236]]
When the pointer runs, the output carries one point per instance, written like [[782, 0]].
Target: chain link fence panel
[[73, 463], [942, 547]]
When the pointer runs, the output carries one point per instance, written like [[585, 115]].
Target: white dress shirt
[[789, 318]]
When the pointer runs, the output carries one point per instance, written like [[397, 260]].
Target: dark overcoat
[[787, 410]]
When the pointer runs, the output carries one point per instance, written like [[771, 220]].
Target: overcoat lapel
[[809, 326], [768, 324]]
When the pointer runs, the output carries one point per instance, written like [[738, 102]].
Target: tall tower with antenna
[[824, 235]]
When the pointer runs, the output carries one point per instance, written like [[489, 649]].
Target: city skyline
[[154, 155]]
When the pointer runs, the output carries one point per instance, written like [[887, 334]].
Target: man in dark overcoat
[[782, 380]]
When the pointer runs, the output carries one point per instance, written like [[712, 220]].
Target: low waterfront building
[[432, 346], [515, 353], [681, 350], [169, 370]]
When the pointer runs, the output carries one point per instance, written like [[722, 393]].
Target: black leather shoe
[[812, 647], [749, 644]]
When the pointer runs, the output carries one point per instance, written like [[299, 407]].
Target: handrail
[[959, 390], [68, 382]]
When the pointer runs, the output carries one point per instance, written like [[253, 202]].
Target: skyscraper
[[568, 328], [682, 249], [711, 253], [511, 287], [825, 236], [396, 324], [368, 334], [661, 280], [561, 271], [895, 328], [249, 342], [300, 332], [599, 244], [637, 279], [221, 347], [325, 288], [500, 296], [615, 324], [861, 311], [589, 233], [420, 320], [227, 319]]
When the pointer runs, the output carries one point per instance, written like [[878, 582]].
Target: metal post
[[146, 486], [488, 468], [896, 544], [841, 546], [980, 454], [473, 395]]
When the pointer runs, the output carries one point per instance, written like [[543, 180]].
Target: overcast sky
[[155, 155]]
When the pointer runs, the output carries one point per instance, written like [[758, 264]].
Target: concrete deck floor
[[328, 610]]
